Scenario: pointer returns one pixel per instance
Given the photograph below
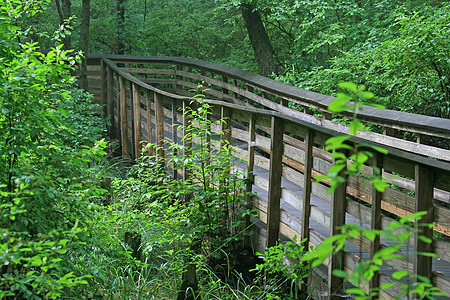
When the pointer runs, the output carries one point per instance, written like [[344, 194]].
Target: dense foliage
[[399, 49], [46, 192]]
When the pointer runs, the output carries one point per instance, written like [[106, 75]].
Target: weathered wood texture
[[283, 165]]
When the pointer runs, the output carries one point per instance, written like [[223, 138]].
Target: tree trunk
[[84, 43], [120, 26], [259, 40], [64, 12], [67, 12]]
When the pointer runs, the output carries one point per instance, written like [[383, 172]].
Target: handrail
[[396, 153], [395, 119], [141, 111]]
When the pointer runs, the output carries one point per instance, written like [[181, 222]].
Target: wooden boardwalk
[[284, 150]]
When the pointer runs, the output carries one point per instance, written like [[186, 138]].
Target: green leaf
[[399, 274], [350, 86], [387, 285], [340, 274], [321, 178], [380, 184], [339, 104], [356, 126], [355, 291], [337, 142]]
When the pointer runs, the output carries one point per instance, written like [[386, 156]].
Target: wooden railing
[[259, 114]]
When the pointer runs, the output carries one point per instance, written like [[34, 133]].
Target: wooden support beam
[[159, 124], [132, 114], [250, 176], [104, 88], [375, 222], [179, 78], [307, 184], [123, 117], [275, 174], [174, 133], [117, 103], [226, 126], [148, 98], [225, 80], [250, 101], [137, 121], [388, 131], [424, 185], [338, 206], [187, 136], [112, 129], [327, 115]]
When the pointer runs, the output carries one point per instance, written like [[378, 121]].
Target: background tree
[[84, 42], [65, 15], [262, 47]]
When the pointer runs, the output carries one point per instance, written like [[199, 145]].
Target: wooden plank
[[273, 223], [338, 206], [376, 218], [442, 180], [123, 117], [394, 142], [226, 126], [424, 202], [159, 126], [169, 81], [249, 174], [110, 104], [104, 87], [178, 77], [187, 141], [148, 97], [442, 282], [174, 132], [137, 121], [307, 185], [149, 71], [405, 183], [225, 81]]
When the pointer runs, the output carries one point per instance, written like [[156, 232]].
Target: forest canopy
[[399, 49]]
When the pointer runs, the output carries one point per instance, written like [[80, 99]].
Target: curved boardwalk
[[284, 148]]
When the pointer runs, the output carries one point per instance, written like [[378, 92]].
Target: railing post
[[110, 103], [123, 117], [338, 207], [250, 176], [225, 80], [388, 131], [327, 115], [424, 187], [178, 78], [275, 173], [307, 185], [104, 88], [149, 120], [159, 124], [187, 142], [250, 89], [226, 126], [117, 103], [174, 132], [376, 218], [137, 120], [132, 115]]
